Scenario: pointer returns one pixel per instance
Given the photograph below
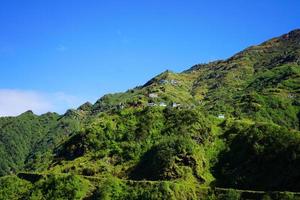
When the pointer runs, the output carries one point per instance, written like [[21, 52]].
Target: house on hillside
[[174, 82], [162, 104], [291, 96], [163, 81], [153, 95], [175, 105], [221, 116], [120, 106], [152, 104]]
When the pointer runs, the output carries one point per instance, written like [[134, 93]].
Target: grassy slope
[[123, 139]]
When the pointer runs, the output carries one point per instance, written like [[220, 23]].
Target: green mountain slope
[[18, 137], [261, 82], [227, 124]]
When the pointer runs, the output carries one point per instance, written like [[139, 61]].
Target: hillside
[[228, 129], [260, 82]]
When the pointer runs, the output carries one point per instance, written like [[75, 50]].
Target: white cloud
[[14, 102]]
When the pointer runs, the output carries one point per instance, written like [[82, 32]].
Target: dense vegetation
[[255, 154], [18, 137], [223, 130]]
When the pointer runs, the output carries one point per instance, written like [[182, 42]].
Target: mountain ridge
[[292, 35], [227, 124]]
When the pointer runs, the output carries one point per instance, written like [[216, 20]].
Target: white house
[[153, 95], [174, 82], [152, 104], [162, 104], [221, 116], [163, 81], [175, 105]]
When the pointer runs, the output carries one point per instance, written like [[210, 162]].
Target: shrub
[[166, 160], [255, 154], [55, 187], [11, 187]]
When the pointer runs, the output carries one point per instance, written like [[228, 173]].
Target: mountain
[[192, 135], [261, 77]]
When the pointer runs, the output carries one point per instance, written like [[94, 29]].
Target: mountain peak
[[87, 106], [284, 48], [292, 34], [165, 131], [28, 112]]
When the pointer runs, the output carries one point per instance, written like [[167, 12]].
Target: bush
[[11, 187], [230, 195], [110, 188], [55, 187], [113, 188], [256, 154], [166, 160]]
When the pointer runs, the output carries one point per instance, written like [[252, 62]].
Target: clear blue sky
[[83, 49]]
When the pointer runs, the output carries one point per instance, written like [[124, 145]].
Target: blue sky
[[56, 54]]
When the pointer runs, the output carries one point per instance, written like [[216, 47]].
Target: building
[[162, 104], [174, 82], [153, 95], [152, 104], [163, 81], [221, 116], [175, 105], [121, 106]]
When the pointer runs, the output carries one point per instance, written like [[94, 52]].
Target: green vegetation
[[168, 160], [223, 130], [11, 187], [255, 154], [60, 187], [18, 137]]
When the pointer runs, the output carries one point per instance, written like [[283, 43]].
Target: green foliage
[[171, 143], [272, 108], [18, 136], [112, 188], [187, 123], [121, 134], [60, 187], [11, 187], [256, 153], [165, 160], [41, 155], [230, 195]]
